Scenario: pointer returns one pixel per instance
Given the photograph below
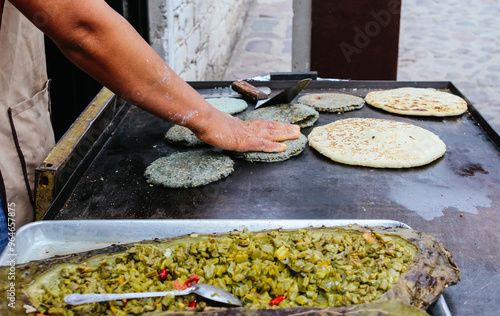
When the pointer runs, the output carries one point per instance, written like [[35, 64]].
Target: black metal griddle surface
[[456, 198]]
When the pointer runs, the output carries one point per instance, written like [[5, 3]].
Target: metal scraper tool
[[286, 96]]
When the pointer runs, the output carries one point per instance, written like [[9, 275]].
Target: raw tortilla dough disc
[[180, 135], [299, 114], [377, 143], [417, 101], [332, 102], [294, 147], [228, 105], [189, 169]]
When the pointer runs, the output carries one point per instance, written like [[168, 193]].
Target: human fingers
[[273, 131], [261, 144], [275, 125]]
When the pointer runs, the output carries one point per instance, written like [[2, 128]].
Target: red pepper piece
[[276, 300], [192, 280], [163, 274], [193, 303], [178, 285], [40, 314]]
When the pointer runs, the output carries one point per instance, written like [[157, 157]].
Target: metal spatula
[[285, 96], [206, 290]]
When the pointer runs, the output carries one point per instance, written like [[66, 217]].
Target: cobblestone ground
[[457, 41], [265, 44]]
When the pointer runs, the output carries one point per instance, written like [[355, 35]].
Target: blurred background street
[[457, 41]]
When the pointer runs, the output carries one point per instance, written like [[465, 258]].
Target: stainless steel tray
[[45, 239]]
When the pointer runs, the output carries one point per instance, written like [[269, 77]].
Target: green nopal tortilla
[[332, 102], [228, 105], [294, 147], [299, 114], [180, 135], [189, 169]]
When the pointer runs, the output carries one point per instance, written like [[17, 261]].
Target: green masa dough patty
[[299, 114], [180, 135], [294, 147], [228, 105], [332, 102], [189, 169]]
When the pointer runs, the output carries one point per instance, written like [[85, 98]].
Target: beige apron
[[26, 134]]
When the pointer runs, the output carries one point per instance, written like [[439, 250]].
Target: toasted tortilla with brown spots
[[417, 101], [377, 143]]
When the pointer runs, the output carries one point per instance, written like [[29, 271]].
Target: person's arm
[[103, 44]]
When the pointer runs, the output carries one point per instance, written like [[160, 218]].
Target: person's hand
[[230, 133]]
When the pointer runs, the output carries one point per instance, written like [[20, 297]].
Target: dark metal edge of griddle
[[294, 75], [329, 83], [490, 131], [114, 112]]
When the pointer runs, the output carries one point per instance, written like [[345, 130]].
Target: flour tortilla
[[299, 114], [189, 169], [417, 101], [228, 105], [377, 143], [183, 136], [332, 102], [294, 147]]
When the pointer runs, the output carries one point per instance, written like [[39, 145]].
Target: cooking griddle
[[455, 198]]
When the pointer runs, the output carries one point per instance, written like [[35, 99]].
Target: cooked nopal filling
[[268, 269]]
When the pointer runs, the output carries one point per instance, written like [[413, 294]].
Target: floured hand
[[230, 133]]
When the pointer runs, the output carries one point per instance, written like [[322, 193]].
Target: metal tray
[[45, 239]]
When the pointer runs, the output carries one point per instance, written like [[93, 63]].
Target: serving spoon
[[202, 289]]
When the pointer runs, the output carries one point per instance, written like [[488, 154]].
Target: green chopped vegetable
[[303, 268]]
